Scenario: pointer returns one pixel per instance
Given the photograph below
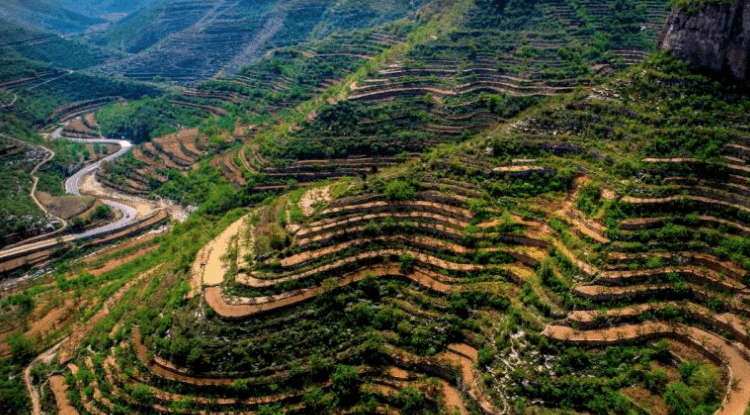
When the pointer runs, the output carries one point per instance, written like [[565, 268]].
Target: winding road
[[72, 183], [72, 187]]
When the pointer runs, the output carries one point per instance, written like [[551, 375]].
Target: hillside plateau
[[450, 207]]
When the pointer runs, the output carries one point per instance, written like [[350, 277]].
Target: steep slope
[[713, 36], [188, 41], [462, 266], [46, 15]]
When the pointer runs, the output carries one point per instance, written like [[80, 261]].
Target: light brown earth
[[65, 206], [59, 389], [313, 196], [213, 272]]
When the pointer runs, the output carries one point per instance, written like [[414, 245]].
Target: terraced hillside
[[365, 99], [522, 272], [286, 78], [485, 69], [188, 41], [580, 247]]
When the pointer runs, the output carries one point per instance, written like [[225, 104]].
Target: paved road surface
[[71, 186]]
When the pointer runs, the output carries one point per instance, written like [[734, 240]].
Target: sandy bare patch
[[213, 273], [90, 119], [312, 197], [453, 398], [608, 194], [90, 186], [196, 271]]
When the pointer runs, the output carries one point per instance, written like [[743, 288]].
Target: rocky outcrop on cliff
[[716, 38]]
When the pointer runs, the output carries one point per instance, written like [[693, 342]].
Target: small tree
[[21, 347], [76, 223], [345, 381], [399, 190]]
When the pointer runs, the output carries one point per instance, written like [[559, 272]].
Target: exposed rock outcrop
[[716, 38]]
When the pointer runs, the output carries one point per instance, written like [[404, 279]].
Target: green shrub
[[399, 190]]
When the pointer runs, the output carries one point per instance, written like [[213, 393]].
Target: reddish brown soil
[[693, 272], [114, 263], [226, 163], [119, 247], [59, 389], [51, 321], [465, 356]]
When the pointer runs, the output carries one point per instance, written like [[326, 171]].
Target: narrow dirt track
[[33, 392]]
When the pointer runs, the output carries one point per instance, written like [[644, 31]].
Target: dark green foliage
[[413, 401], [318, 401], [589, 198], [398, 191], [345, 382], [13, 393], [48, 48], [147, 118], [22, 348]]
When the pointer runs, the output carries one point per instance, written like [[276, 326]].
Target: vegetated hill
[[46, 15], [526, 270], [403, 88], [47, 47], [109, 9], [583, 253], [40, 85], [188, 41]]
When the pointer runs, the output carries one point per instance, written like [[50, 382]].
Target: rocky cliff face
[[717, 38]]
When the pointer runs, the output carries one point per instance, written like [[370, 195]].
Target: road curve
[[71, 186]]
